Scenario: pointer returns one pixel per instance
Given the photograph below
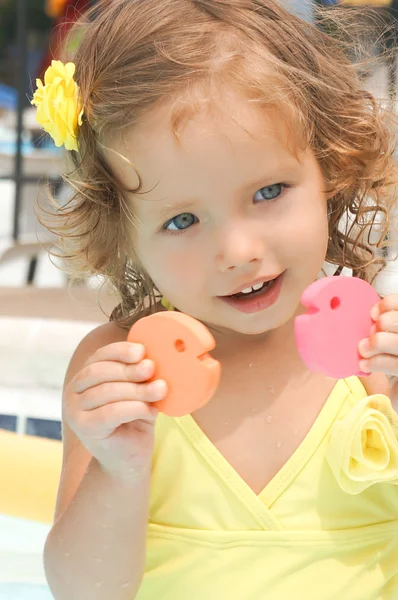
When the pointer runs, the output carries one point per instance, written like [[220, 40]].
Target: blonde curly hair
[[134, 54]]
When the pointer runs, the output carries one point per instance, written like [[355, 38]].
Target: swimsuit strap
[[166, 304]]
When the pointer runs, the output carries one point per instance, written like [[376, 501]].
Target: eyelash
[[177, 231], [164, 229]]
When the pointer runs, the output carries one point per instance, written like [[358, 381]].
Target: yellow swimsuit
[[324, 528]]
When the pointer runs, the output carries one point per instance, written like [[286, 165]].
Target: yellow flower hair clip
[[59, 104]]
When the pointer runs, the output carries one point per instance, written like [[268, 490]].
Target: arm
[[96, 547]]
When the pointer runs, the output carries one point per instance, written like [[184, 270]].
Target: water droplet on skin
[[251, 364], [279, 445], [269, 419], [271, 390]]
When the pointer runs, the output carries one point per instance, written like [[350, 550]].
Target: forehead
[[228, 134]]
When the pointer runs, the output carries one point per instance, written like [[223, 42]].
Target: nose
[[239, 246]]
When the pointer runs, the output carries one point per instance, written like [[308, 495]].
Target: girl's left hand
[[380, 350]]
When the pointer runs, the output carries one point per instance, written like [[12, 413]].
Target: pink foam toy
[[337, 319]]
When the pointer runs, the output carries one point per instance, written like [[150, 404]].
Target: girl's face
[[226, 207]]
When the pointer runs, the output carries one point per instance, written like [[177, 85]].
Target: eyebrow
[[180, 207], [167, 209], [185, 206]]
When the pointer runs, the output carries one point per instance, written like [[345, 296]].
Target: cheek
[[306, 232], [171, 268]]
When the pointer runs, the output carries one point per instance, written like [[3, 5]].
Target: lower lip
[[261, 302]]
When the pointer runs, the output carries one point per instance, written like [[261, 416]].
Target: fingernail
[[364, 347], [375, 312], [145, 367], [158, 388], [137, 351], [364, 366]]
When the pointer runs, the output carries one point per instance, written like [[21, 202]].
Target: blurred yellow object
[[370, 3], [30, 469], [54, 8]]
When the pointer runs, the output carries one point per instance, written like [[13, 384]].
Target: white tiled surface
[[21, 560], [36, 352], [34, 355]]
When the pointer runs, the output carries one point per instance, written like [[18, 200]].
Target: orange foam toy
[[179, 346]]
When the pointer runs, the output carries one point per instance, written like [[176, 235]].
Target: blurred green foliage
[[37, 19]]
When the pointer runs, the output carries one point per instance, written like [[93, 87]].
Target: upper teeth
[[254, 288]]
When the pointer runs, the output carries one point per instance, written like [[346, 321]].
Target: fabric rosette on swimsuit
[[363, 448]]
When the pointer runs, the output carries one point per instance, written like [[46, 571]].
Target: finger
[[386, 304], [388, 322], [380, 343], [382, 363], [108, 393], [103, 372], [100, 422], [125, 352]]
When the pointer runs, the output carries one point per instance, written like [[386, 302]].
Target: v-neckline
[[259, 504]]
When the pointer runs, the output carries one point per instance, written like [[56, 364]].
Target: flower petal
[[363, 447], [59, 105]]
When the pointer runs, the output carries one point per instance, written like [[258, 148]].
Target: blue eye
[[181, 222], [269, 193]]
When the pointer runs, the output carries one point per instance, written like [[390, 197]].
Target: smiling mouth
[[253, 291], [257, 297], [256, 289]]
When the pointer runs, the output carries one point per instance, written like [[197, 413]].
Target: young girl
[[217, 146]]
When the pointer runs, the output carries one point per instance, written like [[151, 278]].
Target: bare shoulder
[[101, 336], [104, 335]]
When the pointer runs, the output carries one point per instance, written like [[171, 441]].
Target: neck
[[273, 343], [263, 370], [273, 355]]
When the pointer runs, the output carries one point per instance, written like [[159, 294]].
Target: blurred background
[[42, 316]]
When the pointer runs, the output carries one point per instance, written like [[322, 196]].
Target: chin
[[260, 327], [257, 324]]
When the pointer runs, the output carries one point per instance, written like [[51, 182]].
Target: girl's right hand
[[108, 406]]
